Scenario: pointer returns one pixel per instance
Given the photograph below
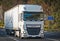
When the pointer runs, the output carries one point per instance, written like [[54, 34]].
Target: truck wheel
[[20, 36], [42, 37], [7, 32]]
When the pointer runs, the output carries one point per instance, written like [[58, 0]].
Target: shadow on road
[[2, 32], [47, 34], [33, 38], [55, 35]]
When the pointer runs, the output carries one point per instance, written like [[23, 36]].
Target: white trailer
[[25, 21]]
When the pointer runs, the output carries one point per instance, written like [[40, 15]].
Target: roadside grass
[[1, 25]]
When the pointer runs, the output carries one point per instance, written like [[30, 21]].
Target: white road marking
[[52, 39], [14, 38]]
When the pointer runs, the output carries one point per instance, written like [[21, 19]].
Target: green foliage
[[51, 7]]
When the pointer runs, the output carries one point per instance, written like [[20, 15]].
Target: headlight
[[42, 31], [24, 31]]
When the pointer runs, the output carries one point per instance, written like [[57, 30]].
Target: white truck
[[25, 20]]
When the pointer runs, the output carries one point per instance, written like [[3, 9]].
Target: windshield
[[33, 16]]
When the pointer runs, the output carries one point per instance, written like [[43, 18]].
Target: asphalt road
[[49, 36]]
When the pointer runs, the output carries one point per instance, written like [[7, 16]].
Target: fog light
[[24, 32]]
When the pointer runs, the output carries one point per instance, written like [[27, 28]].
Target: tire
[[7, 32], [42, 37], [20, 35]]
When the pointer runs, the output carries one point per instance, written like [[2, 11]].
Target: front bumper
[[26, 35]]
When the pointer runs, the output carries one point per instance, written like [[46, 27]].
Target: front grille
[[33, 31]]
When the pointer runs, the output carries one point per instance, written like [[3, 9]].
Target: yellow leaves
[[55, 25], [46, 23], [1, 25]]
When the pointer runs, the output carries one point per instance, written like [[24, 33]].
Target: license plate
[[33, 36]]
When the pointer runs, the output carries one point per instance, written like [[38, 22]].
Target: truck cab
[[31, 21], [25, 20]]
